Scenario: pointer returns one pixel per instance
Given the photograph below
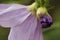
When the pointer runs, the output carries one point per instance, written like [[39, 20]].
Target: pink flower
[[23, 25]]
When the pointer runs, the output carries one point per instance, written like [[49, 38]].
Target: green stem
[[42, 2]]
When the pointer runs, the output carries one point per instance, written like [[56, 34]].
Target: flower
[[22, 21], [23, 25]]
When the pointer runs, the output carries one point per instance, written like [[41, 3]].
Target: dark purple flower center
[[46, 21]]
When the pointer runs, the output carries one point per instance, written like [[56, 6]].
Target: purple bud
[[46, 21]]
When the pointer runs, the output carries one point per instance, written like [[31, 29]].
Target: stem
[[42, 2]]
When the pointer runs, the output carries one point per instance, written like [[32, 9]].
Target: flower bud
[[41, 12]]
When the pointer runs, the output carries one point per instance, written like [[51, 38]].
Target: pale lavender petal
[[4, 6], [24, 31], [38, 32], [13, 15]]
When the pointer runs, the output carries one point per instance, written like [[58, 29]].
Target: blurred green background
[[52, 33], [26, 2]]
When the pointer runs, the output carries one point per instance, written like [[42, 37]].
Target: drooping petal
[[38, 32], [12, 6], [13, 15], [4, 6], [24, 31]]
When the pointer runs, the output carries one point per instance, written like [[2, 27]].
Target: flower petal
[[4, 6], [38, 32], [12, 6], [24, 31], [13, 15]]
